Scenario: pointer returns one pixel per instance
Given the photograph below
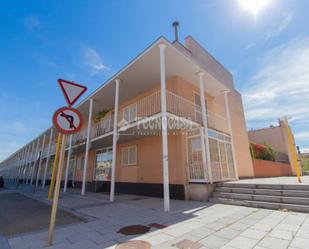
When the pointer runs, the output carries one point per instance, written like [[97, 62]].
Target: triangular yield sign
[[71, 91]]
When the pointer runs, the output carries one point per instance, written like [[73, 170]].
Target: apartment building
[[170, 123]]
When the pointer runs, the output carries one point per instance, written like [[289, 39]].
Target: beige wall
[[149, 149], [277, 138], [273, 136]]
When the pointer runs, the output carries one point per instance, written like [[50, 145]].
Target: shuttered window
[[129, 155]]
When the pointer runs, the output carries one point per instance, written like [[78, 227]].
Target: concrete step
[[261, 204], [260, 191], [264, 186], [263, 198]]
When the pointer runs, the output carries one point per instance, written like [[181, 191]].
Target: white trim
[[87, 147], [205, 123], [166, 191], [115, 137], [40, 162], [228, 117], [48, 155], [68, 164]]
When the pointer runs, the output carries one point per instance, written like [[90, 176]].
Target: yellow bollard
[[293, 153], [51, 187]]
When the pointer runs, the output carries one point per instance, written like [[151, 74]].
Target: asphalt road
[[20, 214]]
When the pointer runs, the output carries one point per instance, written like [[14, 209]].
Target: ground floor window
[[129, 155], [103, 164]]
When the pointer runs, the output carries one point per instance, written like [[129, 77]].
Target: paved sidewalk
[[276, 180], [210, 226]]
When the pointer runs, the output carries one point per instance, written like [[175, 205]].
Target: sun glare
[[254, 6]]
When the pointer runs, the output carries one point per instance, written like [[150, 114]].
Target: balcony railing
[[149, 106], [105, 125]]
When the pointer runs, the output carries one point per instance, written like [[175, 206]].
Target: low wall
[[264, 168]]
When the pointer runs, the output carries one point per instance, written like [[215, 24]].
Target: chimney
[[175, 25]]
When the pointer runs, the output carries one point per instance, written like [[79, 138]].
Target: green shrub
[[263, 152]]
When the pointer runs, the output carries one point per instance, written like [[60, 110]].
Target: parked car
[[1, 182]]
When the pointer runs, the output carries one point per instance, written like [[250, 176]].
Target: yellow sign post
[[50, 193], [292, 149], [56, 194]]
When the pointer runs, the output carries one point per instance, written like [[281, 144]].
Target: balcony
[[149, 106]]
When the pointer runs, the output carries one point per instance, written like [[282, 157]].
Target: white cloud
[[302, 136], [273, 30], [93, 60], [280, 87], [277, 29]]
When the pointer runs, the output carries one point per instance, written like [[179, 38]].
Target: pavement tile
[[302, 234], [281, 234], [262, 227], [188, 244], [273, 243], [286, 227], [300, 243], [227, 233], [216, 226], [241, 242], [253, 234], [239, 226], [214, 242]]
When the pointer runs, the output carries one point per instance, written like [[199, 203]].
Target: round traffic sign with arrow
[[67, 120]]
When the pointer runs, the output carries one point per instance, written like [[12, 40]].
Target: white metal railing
[[182, 107], [196, 172], [103, 126], [79, 137]]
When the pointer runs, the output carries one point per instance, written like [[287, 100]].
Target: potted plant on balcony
[[100, 115]]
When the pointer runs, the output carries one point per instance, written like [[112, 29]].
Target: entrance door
[[103, 164]]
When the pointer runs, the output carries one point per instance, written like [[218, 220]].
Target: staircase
[[271, 196]]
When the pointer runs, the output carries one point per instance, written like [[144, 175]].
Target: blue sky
[[88, 41]]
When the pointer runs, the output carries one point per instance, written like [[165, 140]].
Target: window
[[198, 107], [103, 163], [129, 155], [130, 113]]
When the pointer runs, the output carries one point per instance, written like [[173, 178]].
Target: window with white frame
[[129, 155], [129, 113]]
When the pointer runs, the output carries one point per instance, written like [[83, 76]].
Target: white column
[[23, 153], [68, 164], [205, 123], [35, 158], [30, 162], [115, 133], [48, 156], [25, 163], [166, 191], [87, 147], [40, 162], [229, 125]]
